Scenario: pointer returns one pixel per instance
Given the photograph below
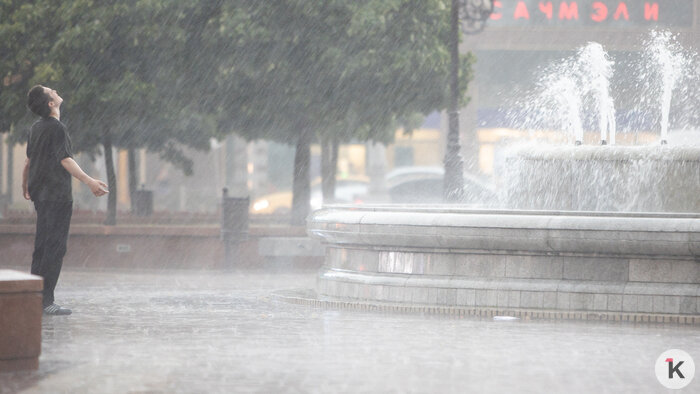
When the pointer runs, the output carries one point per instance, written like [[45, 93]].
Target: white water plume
[[667, 65], [562, 90], [596, 70], [571, 87]]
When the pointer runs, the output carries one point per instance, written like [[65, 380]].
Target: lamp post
[[473, 14]]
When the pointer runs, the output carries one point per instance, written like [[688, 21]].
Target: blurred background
[[181, 100]]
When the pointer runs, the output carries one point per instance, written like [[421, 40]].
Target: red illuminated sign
[[587, 12]]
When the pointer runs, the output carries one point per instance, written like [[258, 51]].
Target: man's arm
[[25, 176], [97, 187]]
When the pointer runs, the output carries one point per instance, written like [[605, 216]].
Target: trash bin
[[4, 203], [234, 224], [143, 202]]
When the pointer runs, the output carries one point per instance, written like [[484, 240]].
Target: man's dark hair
[[38, 101]]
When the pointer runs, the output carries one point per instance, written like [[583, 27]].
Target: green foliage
[[113, 62], [159, 72], [354, 69], [339, 69], [24, 35], [165, 74]]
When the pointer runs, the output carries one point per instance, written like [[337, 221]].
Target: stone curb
[[309, 298]]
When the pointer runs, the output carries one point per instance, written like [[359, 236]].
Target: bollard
[[234, 225], [20, 323]]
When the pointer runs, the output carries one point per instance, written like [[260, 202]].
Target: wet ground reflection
[[184, 331]]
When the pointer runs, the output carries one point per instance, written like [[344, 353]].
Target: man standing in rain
[[46, 181]]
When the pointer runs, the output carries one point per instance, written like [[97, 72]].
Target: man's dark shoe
[[56, 310]]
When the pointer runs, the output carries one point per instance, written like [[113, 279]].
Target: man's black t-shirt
[[47, 145]]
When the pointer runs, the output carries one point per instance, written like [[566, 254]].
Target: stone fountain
[[591, 232]]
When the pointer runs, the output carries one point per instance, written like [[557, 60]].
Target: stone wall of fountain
[[604, 178], [513, 262]]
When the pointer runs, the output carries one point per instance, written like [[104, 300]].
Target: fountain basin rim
[[465, 209], [605, 153], [486, 230], [520, 284]]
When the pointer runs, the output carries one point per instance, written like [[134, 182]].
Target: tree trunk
[[329, 166], [10, 171], [2, 161], [301, 189], [133, 181], [111, 181]]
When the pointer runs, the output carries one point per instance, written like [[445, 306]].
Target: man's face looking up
[[53, 96]]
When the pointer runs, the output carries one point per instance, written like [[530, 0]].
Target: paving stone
[[563, 301], [614, 302], [666, 304], [466, 297], [603, 269], [581, 301], [192, 331], [672, 271], [600, 302], [514, 299], [534, 267], [480, 265], [644, 303], [689, 305], [502, 298], [630, 303], [549, 300], [533, 299]]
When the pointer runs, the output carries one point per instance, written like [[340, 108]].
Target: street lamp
[[473, 14]]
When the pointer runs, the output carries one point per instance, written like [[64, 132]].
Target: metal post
[[475, 13], [453, 187]]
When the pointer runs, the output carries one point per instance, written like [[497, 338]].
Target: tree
[[301, 70], [94, 61], [25, 36], [22, 46], [113, 63], [163, 75]]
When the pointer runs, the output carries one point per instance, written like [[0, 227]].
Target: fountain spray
[[596, 69], [668, 57]]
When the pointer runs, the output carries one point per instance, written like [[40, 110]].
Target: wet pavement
[[189, 331]]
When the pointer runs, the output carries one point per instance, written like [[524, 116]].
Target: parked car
[[347, 190], [413, 185], [405, 185]]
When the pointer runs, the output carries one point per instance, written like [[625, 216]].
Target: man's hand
[[97, 187], [26, 193]]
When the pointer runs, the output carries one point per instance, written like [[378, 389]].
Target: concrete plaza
[[211, 331]]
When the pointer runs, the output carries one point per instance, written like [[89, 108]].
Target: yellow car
[[347, 190], [278, 203]]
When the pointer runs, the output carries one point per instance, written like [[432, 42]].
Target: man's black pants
[[52, 224]]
